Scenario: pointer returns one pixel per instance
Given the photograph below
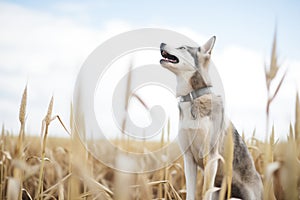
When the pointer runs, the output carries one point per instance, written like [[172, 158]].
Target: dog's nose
[[162, 45]]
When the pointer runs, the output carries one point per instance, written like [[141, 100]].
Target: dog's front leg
[[190, 169], [210, 173]]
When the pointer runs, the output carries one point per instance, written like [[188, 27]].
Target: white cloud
[[46, 51], [242, 72]]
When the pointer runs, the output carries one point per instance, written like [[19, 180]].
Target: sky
[[44, 43]]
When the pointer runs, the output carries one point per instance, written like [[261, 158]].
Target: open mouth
[[168, 57]]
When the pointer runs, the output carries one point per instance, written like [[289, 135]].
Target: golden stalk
[[270, 75], [297, 120], [223, 189], [74, 183], [18, 174], [272, 143], [228, 157], [291, 135], [289, 181], [46, 122], [22, 116]]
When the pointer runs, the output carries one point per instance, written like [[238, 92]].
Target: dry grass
[[60, 168], [65, 176]]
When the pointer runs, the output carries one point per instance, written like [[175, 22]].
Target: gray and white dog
[[203, 126]]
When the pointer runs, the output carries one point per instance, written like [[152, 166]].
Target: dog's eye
[[181, 48]]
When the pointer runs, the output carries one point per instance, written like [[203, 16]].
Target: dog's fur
[[203, 127]]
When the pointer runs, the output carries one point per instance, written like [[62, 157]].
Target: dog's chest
[[189, 119], [193, 133]]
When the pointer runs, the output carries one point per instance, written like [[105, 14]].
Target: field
[[60, 168]]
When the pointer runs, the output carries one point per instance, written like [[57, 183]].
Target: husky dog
[[203, 127]]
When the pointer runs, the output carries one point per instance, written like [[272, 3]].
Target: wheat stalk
[[18, 174], [270, 75], [22, 116], [297, 120], [228, 157], [46, 122], [74, 183]]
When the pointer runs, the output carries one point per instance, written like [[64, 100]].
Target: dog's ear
[[208, 46]]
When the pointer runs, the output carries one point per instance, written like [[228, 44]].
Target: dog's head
[[189, 64]]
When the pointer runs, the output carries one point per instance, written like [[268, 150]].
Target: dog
[[203, 127]]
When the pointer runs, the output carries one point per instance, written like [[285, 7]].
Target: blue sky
[[249, 23], [44, 43]]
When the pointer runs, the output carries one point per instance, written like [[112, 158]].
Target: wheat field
[[60, 168]]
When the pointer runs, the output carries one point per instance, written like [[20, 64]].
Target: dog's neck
[[190, 82]]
